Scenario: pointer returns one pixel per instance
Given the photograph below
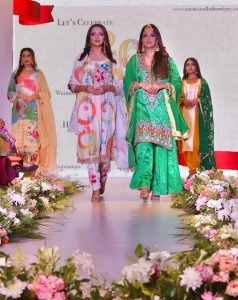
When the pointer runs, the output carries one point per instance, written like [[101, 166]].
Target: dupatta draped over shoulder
[[156, 119]]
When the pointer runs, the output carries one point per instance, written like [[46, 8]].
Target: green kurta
[[156, 120]]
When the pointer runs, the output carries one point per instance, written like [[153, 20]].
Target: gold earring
[[142, 49], [157, 47]]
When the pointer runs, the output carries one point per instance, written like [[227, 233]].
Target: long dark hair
[[161, 57], [106, 47], [199, 75], [21, 66]]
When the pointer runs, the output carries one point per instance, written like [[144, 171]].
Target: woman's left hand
[[156, 87], [103, 89]]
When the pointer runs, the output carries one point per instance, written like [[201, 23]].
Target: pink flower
[[207, 296], [201, 201], [50, 288], [210, 233], [4, 240], [223, 194], [99, 75], [46, 186], [187, 184], [220, 277], [232, 288], [206, 272], [228, 264], [58, 187]]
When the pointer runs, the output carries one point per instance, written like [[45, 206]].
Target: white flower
[[86, 289], [216, 204], [3, 210], [138, 272], [25, 211], [204, 177], [218, 188], [83, 262], [159, 255], [5, 262], [17, 199], [223, 214], [32, 204], [44, 200], [228, 231], [191, 278], [156, 297], [16, 221], [11, 214], [46, 186], [234, 252], [13, 289]]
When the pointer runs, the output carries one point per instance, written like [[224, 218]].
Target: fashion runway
[[109, 230]]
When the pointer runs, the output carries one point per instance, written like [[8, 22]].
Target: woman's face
[[26, 58], [96, 37], [149, 39], [190, 67]]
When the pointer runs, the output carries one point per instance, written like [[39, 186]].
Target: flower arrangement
[[209, 271], [31, 199]]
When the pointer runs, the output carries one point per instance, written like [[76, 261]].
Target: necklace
[[192, 76]]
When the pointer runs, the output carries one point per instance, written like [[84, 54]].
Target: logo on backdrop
[[32, 13]]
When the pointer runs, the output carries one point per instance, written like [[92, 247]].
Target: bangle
[[169, 88], [132, 88]]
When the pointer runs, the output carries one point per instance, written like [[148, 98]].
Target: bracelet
[[132, 88], [169, 88]]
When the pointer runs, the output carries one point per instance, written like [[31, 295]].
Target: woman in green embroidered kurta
[[152, 86]]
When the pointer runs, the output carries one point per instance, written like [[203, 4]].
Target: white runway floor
[[109, 230]]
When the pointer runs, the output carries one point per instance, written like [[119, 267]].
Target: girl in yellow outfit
[[196, 106]]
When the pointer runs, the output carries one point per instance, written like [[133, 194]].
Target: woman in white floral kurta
[[99, 115]]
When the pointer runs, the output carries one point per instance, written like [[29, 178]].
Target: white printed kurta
[[100, 121]]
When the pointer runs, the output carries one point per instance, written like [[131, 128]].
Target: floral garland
[[209, 271], [31, 199]]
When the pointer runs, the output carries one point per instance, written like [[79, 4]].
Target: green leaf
[[139, 251]]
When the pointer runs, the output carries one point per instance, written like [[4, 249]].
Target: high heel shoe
[[144, 194], [155, 197], [95, 196]]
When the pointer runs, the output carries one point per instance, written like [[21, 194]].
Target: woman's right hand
[[190, 103], [90, 89], [81, 88], [143, 85]]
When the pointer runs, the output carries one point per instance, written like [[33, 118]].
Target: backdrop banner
[[207, 33]]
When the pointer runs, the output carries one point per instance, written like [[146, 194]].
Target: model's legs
[[94, 178], [166, 175], [104, 169], [142, 176]]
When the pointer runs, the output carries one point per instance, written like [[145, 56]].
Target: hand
[[73, 88], [156, 87], [90, 89], [144, 86], [100, 90], [24, 97], [190, 103], [104, 89]]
